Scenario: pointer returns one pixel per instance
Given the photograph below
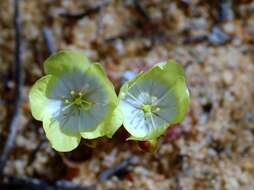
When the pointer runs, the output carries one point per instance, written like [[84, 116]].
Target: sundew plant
[[76, 100], [154, 100]]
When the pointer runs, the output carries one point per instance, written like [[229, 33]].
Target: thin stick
[[49, 39], [12, 182], [39, 184], [141, 9], [65, 184], [89, 11], [35, 151], [114, 169], [19, 85]]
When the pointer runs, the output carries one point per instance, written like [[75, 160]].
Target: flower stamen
[[67, 107], [157, 109], [72, 92], [78, 100], [80, 94]]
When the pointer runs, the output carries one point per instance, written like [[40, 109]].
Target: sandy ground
[[213, 149]]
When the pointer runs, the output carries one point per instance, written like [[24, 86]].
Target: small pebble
[[217, 36]]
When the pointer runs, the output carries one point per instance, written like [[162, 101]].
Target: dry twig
[[24, 182], [141, 9], [114, 169], [49, 39], [87, 12], [19, 85]]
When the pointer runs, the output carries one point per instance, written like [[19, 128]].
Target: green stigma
[[147, 108], [78, 100]]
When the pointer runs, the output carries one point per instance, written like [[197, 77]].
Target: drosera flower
[[75, 99], [154, 100]]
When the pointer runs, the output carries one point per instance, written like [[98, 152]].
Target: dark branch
[[87, 12], [141, 9], [80, 15], [12, 182], [24, 182], [34, 152], [19, 85], [64, 184], [114, 169]]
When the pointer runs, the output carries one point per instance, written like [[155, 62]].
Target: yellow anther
[[72, 92], [80, 94], [158, 109], [66, 101]]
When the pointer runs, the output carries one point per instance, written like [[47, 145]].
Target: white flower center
[[149, 105], [77, 99]]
